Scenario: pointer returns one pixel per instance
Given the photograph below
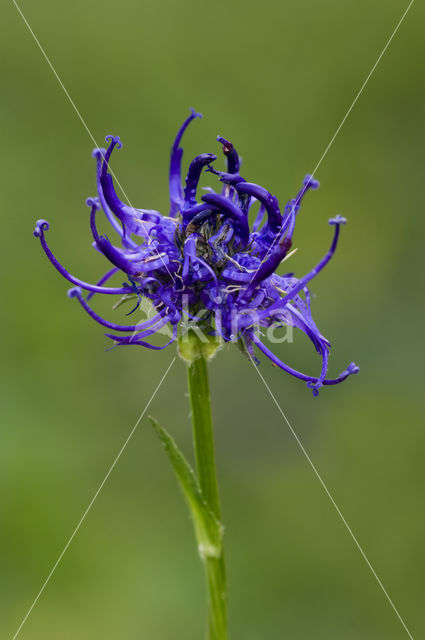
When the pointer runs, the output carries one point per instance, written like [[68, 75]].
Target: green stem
[[203, 437], [203, 440]]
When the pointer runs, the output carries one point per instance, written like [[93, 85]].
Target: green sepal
[[196, 343], [208, 530]]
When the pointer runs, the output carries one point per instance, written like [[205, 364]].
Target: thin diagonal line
[[111, 468], [83, 122], [328, 493], [341, 124]]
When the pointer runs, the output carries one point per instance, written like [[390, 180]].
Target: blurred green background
[[277, 79]]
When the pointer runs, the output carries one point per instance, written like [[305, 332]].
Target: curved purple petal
[[120, 341], [267, 266], [76, 292], [192, 178], [270, 203], [323, 262], [231, 210], [99, 155], [233, 162], [41, 227], [103, 279], [351, 369], [176, 192]]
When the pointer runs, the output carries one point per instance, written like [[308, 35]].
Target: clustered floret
[[202, 265]]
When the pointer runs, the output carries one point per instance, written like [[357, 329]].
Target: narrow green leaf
[[208, 529]]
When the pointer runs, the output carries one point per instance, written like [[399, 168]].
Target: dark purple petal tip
[[315, 386], [338, 219], [227, 145], [99, 153], [74, 292], [114, 140], [195, 114], [93, 203], [352, 369], [311, 182], [40, 227]]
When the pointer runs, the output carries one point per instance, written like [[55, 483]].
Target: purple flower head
[[203, 267]]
